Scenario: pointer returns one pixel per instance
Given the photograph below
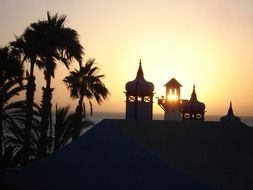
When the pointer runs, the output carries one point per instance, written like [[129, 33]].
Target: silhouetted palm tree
[[56, 43], [16, 134], [11, 76], [28, 46], [85, 83], [64, 126], [16, 137]]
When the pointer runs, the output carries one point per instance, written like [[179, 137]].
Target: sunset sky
[[208, 43]]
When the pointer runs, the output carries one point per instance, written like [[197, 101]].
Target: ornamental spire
[[230, 110], [230, 117], [140, 74], [194, 95]]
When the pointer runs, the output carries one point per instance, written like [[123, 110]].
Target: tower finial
[[230, 109], [140, 72], [194, 95]]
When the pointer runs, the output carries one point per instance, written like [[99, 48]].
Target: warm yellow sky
[[206, 42]]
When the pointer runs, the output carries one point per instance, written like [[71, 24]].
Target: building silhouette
[[171, 102], [177, 109], [193, 109], [139, 97], [230, 120], [230, 117]]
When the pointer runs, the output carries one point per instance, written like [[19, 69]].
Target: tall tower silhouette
[[171, 103], [139, 98]]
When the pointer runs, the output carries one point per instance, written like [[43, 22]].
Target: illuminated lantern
[[171, 102], [139, 98]]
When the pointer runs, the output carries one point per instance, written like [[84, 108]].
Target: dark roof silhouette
[[102, 158], [230, 119], [139, 86], [218, 157], [173, 83]]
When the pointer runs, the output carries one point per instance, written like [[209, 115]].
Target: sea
[[99, 116]]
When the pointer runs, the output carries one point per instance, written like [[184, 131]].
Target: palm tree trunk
[[45, 112], [31, 87], [78, 118]]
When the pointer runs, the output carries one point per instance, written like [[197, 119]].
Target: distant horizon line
[[94, 112], [98, 116]]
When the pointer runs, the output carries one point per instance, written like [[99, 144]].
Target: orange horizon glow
[[207, 43]]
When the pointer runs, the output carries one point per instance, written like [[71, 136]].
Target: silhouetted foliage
[[28, 46], [85, 83], [64, 126], [27, 131], [11, 75], [16, 137], [55, 43]]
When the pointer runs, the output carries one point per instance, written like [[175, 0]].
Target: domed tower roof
[[139, 86], [193, 105], [230, 117]]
